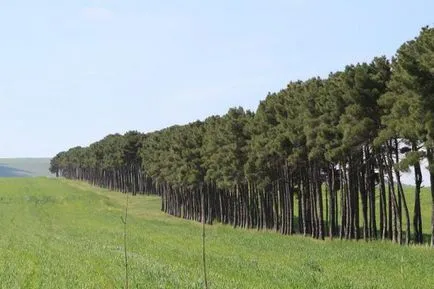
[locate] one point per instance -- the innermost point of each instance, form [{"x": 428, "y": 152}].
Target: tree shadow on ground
[{"x": 10, "y": 172}]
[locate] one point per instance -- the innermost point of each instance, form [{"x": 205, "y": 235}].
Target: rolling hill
[{"x": 24, "y": 167}]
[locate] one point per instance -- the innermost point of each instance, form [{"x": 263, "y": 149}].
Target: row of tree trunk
[{"x": 362, "y": 198}]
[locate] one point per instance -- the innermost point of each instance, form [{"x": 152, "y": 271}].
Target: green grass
[
  {"x": 425, "y": 200},
  {"x": 63, "y": 234}
]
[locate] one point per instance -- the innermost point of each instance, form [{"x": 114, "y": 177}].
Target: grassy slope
[
  {"x": 62, "y": 234},
  {"x": 425, "y": 201}
]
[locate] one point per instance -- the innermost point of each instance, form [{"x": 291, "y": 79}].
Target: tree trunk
[
  {"x": 430, "y": 153},
  {"x": 383, "y": 210},
  {"x": 417, "y": 218},
  {"x": 402, "y": 199}
]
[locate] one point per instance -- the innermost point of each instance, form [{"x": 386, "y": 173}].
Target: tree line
[{"x": 322, "y": 157}]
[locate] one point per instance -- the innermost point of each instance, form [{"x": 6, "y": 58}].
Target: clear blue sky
[{"x": 72, "y": 72}]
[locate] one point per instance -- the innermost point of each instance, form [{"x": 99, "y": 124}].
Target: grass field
[{"x": 63, "y": 234}]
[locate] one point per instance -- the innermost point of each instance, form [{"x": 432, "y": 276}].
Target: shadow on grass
[
  {"x": 10, "y": 172},
  {"x": 426, "y": 238}
]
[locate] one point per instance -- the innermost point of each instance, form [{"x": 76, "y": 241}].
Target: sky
[{"x": 72, "y": 72}]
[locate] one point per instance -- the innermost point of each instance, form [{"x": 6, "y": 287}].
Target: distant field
[
  {"x": 64, "y": 234},
  {"x": 24, "y": 167}
]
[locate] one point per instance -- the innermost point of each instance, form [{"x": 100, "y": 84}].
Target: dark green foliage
[{"x": 322, "y": 157}]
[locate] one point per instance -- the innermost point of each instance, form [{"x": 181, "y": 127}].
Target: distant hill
[{"x": 24, "y": 167}]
